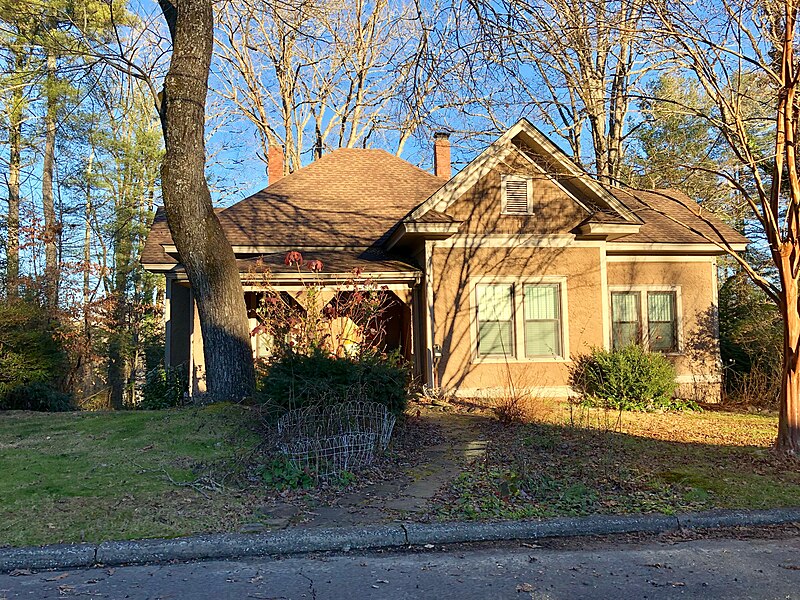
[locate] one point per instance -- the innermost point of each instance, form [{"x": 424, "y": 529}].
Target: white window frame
[
  {"x": 529, "y": 180},
  {"x": 513, "y": 319},
  {"x": 518, "y": 318},
  {"x": 642, "y": 290}
]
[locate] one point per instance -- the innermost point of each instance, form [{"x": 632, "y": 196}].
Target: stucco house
[{"x": 500, "y": 274}]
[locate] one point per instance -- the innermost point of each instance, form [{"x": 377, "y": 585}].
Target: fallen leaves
[
  {"x": 631, "y": 463},
  {"x": 525, "y": 587},
  {"x": 20, "y": 573}
]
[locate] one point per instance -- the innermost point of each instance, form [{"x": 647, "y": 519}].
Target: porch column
[
  {"x": 197, "y": 361},
  {"x": 167, "y": 321}
]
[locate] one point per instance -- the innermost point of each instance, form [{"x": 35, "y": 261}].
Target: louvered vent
[{"x": 517, "y": 197}]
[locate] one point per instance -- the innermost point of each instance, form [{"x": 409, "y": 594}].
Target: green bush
[
  {"x": 32, "y": 358},
  {"x": 628, "y": 379},
  {"x": 281, "y": 474},
  {"x": 38, "y": 396},
  {"x": 297, "y": 380},
  {"x": 164, "y": 388}
]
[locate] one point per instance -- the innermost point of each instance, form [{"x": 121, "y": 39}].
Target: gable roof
[
  {"x": 527, "y": 140},
  {"x": 354, "y": 199},
  {"x": 349, "y": 197}
]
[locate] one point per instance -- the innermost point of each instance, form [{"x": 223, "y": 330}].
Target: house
[{"x": 499, "y": 274}]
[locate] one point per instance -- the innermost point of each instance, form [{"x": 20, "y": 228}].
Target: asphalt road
[{"x": 718, "y": 568}]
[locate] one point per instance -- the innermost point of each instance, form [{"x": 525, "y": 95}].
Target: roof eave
[
  {"x": 609, "y": 231},
  {"x": 409, "y": 230},
  {"x": 708, "y": 248}
]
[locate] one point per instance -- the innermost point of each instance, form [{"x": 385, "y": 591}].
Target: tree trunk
[
  {"x": 87, "y": 245},
  {"x": 118, "y": 348},
  {"x": 786, "y": 257},
  {"x": 789, "y": 399},
  {"x": 205, "y": 252},
  {"x": 51, "y": 228},
  {"x": 14, "y": 168}
]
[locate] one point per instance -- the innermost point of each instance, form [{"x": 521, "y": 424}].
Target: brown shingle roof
[
  {"x": 355, "y": 197},
  {"x": 153, "y": 252},
  {"x": 349, "y": 197},
  {"x": 671, "y": 217}
]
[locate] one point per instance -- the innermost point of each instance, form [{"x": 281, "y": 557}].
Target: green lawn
[
  {"x": 593, "y": 461},
  {"x": 95, "y": 476}
]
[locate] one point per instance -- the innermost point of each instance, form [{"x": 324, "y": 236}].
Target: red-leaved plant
[{"x": 340, "y": 320}]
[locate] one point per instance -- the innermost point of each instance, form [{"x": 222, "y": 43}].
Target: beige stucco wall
[
  {"x": 455, "y": 270},
  {"x": 697, "y": 361},
  {"x": 480, "y": 207},
  {"x": 457, "y": 267}
]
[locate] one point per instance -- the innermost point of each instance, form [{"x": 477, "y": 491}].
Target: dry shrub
[
  {"x": 522, "y": 404},
  {"x": 509, "y": 408},
  {"x": 758, "y": 388}
]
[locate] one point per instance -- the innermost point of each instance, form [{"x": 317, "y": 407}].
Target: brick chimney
[
  {"x": 441, "y": 155},
  {"x": 274, "y": 164}
]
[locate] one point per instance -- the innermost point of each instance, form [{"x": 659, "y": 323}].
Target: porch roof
[{"x": 334, "y": 262}]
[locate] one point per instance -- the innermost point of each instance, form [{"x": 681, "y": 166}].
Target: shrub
[
  {"x": 751, "y": 343},
  {"x": 297, "y": 380},
  {"x": 32, "y": 358},
  {"x": 164, "y": 388},
  {"x": 39, "y": 396},
  {"x": 627, "y": 379},
  {"x": 510, "y": 407},
  {"x": 281, "y": 474}
]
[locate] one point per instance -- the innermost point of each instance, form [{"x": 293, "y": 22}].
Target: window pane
[
  {"x": 541, "y": 302},
  {"x": 662, "y": 337},
  {"x": 625, "y": 306},
  {"x": 661, "y": 306},
  {"x": 625, "y": 326},
  {"x": 625, "y": 334},
  {"x": 495, "y": 338},
  {"x": 542, "y": 338},
  {"x": 494, "y": 302}
]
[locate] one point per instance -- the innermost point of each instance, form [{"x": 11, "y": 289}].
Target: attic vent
[{"x": 516, "y": 196}]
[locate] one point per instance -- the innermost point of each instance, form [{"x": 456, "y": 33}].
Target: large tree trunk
[
  {"x": 14, "y": 169},
  {"x": 203, "y": 248},
  {"x": 51, "y": 228},
  {"x": 785, "y": 251},
  {"x": 789, "y": 399}
]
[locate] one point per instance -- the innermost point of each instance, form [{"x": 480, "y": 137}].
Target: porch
[{"x": 402, "y": 317}]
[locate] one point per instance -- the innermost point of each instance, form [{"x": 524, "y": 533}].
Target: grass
[
  {"x": 73, "y": 477},
  {"x": 591, "y": 461}
]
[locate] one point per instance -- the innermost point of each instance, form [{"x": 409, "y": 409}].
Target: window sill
[{"x": 499, "y": 360}]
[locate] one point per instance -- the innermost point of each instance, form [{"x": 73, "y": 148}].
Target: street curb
[{"x": 393, "y": 535}]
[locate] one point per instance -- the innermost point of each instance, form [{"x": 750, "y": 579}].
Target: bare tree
[
  {"x": 737, "y": 51},
  {"x": 576, "y": 62},
  {"x": 204, "y": 250},
  {"x": 322, "y": 74}
]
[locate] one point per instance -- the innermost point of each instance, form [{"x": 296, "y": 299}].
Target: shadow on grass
[{"x": 551, "y": 469}]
